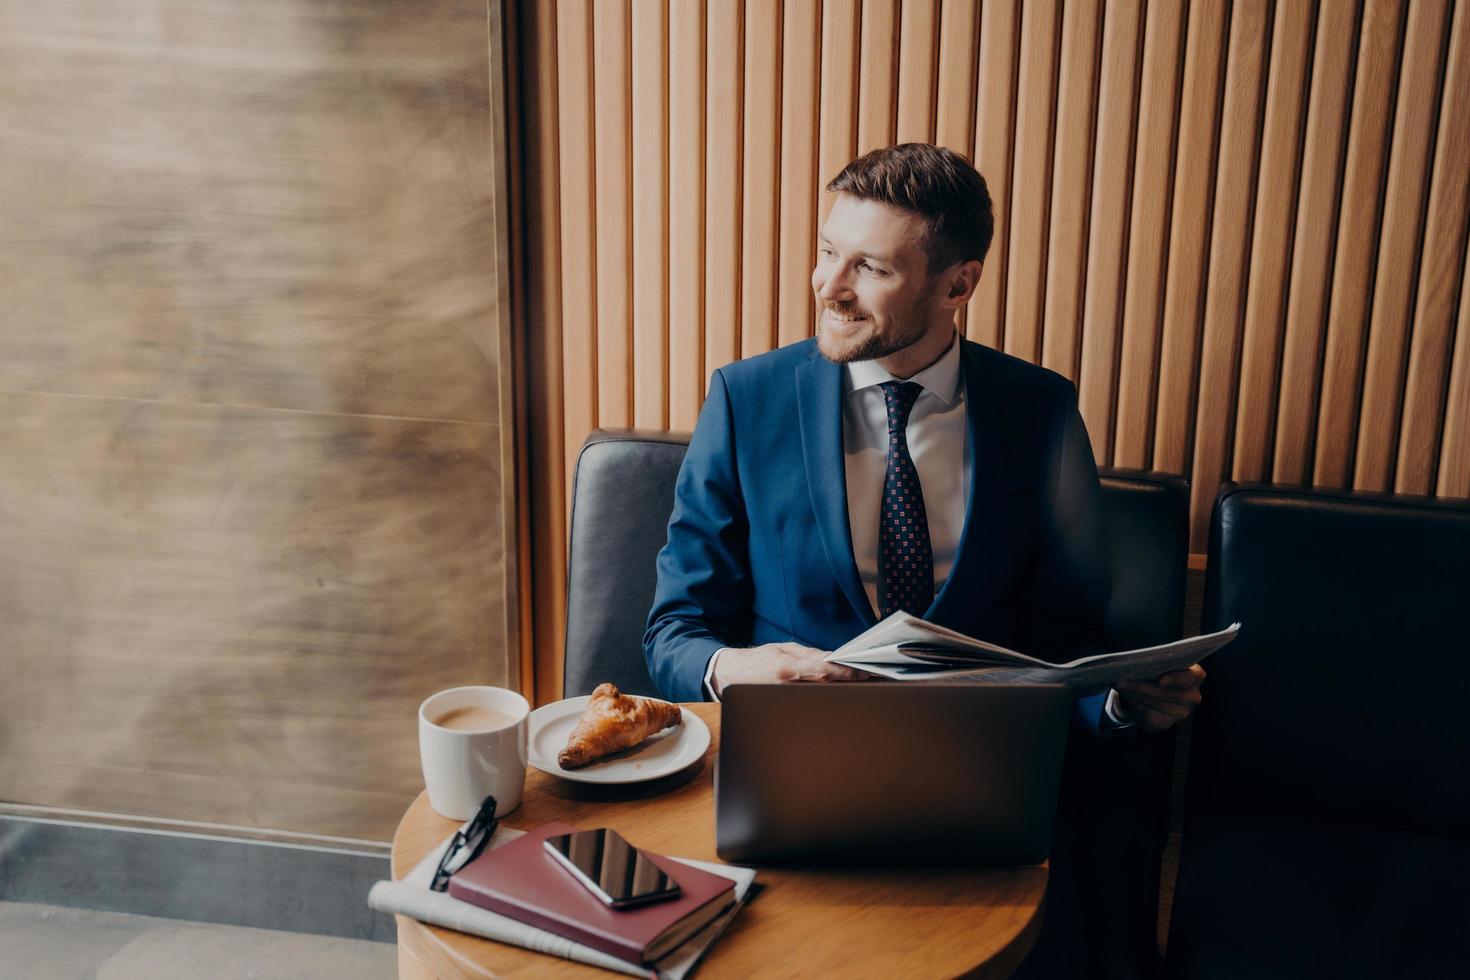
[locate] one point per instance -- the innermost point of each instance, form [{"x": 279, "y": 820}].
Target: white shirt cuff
[
  {"x": 709, "y": 675},
  {"x": 1115, "y": 712}
]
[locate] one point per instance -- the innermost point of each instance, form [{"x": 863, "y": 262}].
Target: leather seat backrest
[
  {"x": 622, "y": 496},
  {"x": 1146, "y": 518},
  {"x": 1345, "y": 692}
]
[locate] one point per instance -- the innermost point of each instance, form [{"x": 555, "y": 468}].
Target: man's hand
[
  {"x": 1165, "y": 701},
  {"x": 777, "y": 662}
]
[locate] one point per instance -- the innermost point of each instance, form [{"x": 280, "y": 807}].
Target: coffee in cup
[
  {"x": 472, "y": 743},
  {"x": 474, "y": 719}
]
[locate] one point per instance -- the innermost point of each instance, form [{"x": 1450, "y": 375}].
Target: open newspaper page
[
  {"x": 411, "y": 896},
  {"x": 906, "y": 648}
]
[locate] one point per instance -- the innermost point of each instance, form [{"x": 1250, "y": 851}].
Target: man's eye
[{"x": 869, "y": 267}]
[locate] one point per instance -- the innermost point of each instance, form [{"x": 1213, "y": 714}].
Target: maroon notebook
[{"x": 522, "y": 881}]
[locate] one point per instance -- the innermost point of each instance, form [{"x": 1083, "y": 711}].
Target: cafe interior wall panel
[
  {"x": 1411, "y": 164},
  {"x": 1272, "y": 239},
  {"x": 1192, "y": 218},
  {"x": 1150, "y": 217},
  {"x": 801, "y": 58},
  {"x": 1229, "y": 253},
  {"x": 995, "y": 127},
  {"x": 724, "y": 95},
  {"x": 760, "y": 193},
  {"x": 877, "y": 95},
  {"x": 1029, "y": 197},
  {"x": 1071, "y": 190},
  {"x": 1239, "y": 225},
  {"x": 650, "y": 252},
  {"x": 1368, "y": 137},
  {"x": 253, "y": 377},
  {"x": 612, "y": 189},
  {"x": 1107, "y": 227},
  {"x": 1437, "y": 289}
]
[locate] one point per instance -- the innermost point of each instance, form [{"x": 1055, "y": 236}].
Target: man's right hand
[{"x": 774, "y": 663}]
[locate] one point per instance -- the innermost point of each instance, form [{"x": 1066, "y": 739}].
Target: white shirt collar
[{"x": 942, "y": 378}]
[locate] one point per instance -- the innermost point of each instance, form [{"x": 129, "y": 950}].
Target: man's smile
[{"x": 844, "y": 319}]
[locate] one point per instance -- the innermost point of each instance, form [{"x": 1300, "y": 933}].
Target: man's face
[{"x": 872, "y": 284}]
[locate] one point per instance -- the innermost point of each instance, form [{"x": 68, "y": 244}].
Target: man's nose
[{"x": 835, "y": 286}]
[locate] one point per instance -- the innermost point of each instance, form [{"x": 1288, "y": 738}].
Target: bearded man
[{"x": 887, "y": 464}]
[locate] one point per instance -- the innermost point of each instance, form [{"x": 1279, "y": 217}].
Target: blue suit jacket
[{"x": 759, "y": 548}]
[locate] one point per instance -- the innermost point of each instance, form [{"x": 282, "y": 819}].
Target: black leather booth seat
[{"x": 1328, "y": 815}]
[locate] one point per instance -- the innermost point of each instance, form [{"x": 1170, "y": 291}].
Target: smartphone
[{"x": 611, "y": 868}]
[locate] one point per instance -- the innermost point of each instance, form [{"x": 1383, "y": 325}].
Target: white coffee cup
[{"x": 472, "y": 743}]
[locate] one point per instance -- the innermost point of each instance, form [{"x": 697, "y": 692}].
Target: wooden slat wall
[{"x": 1239, "y": 225}]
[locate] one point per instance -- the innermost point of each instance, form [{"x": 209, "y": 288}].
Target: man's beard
[{"x": 907, "y": 330}]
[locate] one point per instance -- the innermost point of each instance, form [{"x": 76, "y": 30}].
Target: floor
[{"x": 45, "y": 941}]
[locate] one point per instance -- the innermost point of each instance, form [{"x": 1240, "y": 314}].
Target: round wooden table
[{"x": 849, "y": 922}]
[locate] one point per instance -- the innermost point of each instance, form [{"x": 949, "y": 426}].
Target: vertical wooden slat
[
  {"x": 724, "y": 45},
  {"x": 877, "y": 75},
  {"x": 686, "y": 213},
  {"x": 954, "y": 119},
  {"x": 800, "y": 56},
  {"x": 1149, "y": 220},
  {"x": 995, "y": 99},
  {"x": 1357, "y": 239},
  {"x": 578, "y": 227},
  {"x": 1439, "y": 271},
  {"x": 1230, "y": 256},
  {"x": 1276, "y": 195},
  {"x": 611, "y": 154},
  {"x": 1193, "y": 208},
  {"x": 1030, "y": 197},
  {"x": 546, "y": 466},
  {"x": 1454, "y": 453},
  {"x": 1317, "y": 220},
  {"x": 1399, "y": 247},
  {"x": 1066, "y": 253},
  {"x": 954, "y": 91},
  {"x": 837, "y": 128},
  {"x": 758, "y": 238},
  {"x": 1107, "y": 241},
  {"x": 650, "y": 254},
  {"x": 918, "y": 57}
]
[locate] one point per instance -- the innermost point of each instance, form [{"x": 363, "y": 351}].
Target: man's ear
[{"x": 963, "y": 280}]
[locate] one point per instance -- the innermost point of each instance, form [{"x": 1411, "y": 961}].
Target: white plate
[{"x": 667, "y": 752}]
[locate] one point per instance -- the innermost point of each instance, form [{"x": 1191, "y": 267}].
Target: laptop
[{"x": 889, "y": 772}]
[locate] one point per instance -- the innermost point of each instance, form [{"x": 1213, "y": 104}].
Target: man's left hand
[{"x": 1165, "y": 701}]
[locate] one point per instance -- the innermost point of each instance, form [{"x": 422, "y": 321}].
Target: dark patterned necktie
[{"x": 905, "y": 559}]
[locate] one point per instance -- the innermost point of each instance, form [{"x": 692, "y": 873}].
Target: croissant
[{"x": 612, "y": 721}]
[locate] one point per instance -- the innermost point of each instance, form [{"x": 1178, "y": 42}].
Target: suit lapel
[
  {"x": 985, "y": 408},
  {"x": 819, "y": 405}
]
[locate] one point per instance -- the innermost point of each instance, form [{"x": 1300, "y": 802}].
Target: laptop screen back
[{"x": 889, "y": 772}]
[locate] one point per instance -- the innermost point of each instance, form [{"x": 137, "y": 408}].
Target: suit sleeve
[
  {"x": 1071, "y": 580},
  {"x": 702, "y": 600}
]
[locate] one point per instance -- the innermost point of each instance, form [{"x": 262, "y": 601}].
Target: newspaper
[
  {"x": 411, "y": 896},
  {"x": 904, "y": 647}
]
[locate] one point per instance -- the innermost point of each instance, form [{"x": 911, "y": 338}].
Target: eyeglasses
[{"x": 466, "y": 845}]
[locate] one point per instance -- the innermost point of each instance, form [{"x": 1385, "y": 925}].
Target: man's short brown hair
[{"x": 939, "y": 185}]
